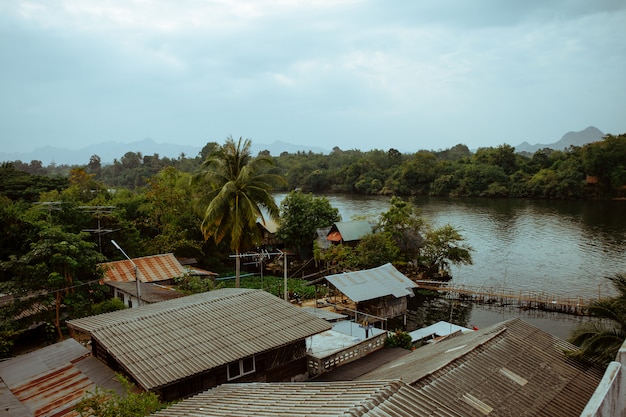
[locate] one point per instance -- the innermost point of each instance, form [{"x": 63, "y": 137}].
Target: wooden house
[
  {"x": 180, "y": 347},
  {"x": 380, "y": 292}
]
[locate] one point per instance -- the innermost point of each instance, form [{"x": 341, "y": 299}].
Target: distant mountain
[
  {"x": 109, "y": 151},
  {"x": 588, "y": 135}
]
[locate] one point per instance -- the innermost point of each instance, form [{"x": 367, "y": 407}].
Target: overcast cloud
[{"x": 350, "y": 73}]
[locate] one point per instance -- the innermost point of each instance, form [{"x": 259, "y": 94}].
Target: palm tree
[
  {"x": 238, "y": 195},
  {"x": 600, "y": 341}
]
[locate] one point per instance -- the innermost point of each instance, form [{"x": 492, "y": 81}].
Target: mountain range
[{"x": 109, "y": 151}]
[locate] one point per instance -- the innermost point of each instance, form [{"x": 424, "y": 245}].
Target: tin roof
[
  {"x": 353, "y": 230},
  {"x": 373, "y": 283},
  {"x": 150, "y": 268},
  {"x": 366, "y": 399},
  {"x": 441, "y": 328},
  {"x": 150, "y": 291},
  {"x": 511, "y": 368},
  {"x": 161, "y": 343},
  {"x": 50, "y": 381}
]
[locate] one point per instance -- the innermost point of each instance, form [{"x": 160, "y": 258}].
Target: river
[{"x": 566, "y": 248}]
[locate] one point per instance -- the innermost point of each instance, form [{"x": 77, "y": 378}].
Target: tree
[
  {"x": 402, "y": 224},
  {"x": 55, "y": 272},
  {"x": 108, "y": 403},
  {"x": 301, "y": 215},
  {"x": 443, "y": 246},
  {"x": 600, "y": 341},
  {"x": 237, "y": 196}
]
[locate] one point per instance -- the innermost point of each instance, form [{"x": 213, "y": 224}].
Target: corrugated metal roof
[
  {"x": 441, "y": 328},
  {"x": 373, "y": 283},
  {"x": 354, "y": 230},
  {"x": 510, "y": 369},
  {"x": 316, "y": 399},
  {"x": 151, "y": 269},
  {"x": 51, "y": 380},
  {"x": 165, "y": 342},
  {"x": 150, "y": 291}
]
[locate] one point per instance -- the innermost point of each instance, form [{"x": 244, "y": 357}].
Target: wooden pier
[{"x": 497, "y": 296}]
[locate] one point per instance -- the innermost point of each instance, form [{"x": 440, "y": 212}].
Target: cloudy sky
[{"x": 357, "y": 74}]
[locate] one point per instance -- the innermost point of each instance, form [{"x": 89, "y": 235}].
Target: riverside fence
[{"x": 523, "y": 299}]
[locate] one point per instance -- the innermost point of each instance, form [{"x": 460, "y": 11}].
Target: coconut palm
[
  {"x": 238, "y": 196},
  {"x": 601, "y": 340}
]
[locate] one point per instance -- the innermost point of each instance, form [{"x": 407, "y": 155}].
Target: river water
[{"x": 566, "y": 248}]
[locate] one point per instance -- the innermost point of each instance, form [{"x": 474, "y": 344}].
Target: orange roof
[
  {"x": 334, "y": 237},
  {"x": 150, "y": 268}
]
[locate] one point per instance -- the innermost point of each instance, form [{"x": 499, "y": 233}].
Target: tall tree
[
  {"x": 238, "y": 195},
  {"x": 301, "y": 215},
  {"x": 600, "y": 341},
  {"x": 56, "y": 272}
]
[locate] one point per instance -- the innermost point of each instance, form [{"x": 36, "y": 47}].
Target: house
[
  {"x": 52, "y": 380},
  {"x": 151, "y": 292},
  {"x": 183, "y": 346},
  {"x": 511, "y": 368},
  {"x": 161, "y": 269},
  {"x": 363, "y": 398},
  {"x": 267, "y": 230},
  {"x": 379, "y": 292},
  {"x": 349, "y": 233}
]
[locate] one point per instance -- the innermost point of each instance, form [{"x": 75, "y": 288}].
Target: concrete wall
[{"x": 609, "y": 399}]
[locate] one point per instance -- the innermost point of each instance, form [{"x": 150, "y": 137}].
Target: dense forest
[{"x": 595, "y": 170}]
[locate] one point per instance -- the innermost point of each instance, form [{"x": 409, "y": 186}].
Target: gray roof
[
  {"x": 315, "y": 399},
  {"x": 150, "y": 292},
  {"x": 51, "y": 380},
  {"x": 373, "y": 283},
  {"x": 511, "y": 368},
  {"x": 161, "y": 343},
  {"x": 322, "y": 313},
  {"x": 354, "y": 230}
]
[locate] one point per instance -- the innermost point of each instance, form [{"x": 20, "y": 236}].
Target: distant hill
[
  {"x": 109, "y": 151},
  {"x": 588, "y": 135}
]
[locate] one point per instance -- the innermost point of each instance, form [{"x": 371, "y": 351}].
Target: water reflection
[{"x": 561, "y": 247}]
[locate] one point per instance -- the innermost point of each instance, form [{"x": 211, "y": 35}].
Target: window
[{"x": 240, "y": 368}]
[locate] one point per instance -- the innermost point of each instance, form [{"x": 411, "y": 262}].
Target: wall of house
[
  {"x": 609, "y": 399},
  {"x": 319, "y": 365},
  {"x": 284, "y": 364}
]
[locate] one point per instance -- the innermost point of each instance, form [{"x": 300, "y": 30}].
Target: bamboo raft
[{"x": 525, "y": 300}]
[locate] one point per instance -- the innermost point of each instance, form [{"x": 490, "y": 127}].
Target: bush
[{"x": 399, "y": 338}]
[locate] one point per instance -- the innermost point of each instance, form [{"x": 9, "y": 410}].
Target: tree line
[{"x": 595, "y": 170}]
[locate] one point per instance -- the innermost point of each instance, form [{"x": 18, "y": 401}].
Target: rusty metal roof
[
  {"x": 315, "y": 399},
  {"x": 509, "y": 369},
  {"x": 373, "y": 283},
  {"x": 150, "y": 268},
  {"x": 51, "y": 380},
  {"x": 165, "y": 342}
]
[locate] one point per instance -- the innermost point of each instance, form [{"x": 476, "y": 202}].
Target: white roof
[
  {"x": 373, "y": 283},
  {"x": 441, "y": 328}
]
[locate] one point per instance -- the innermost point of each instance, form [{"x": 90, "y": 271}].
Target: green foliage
[
  {"x": 443, "y": 246},
  {"x": 398, "y": 338},
  {"x": 193, "y": 284},
  {"x": 107, "y": 306},
  {"x": 236, "y": 195},
  {"x": 60, "y": 269},
  {"x": 108, "y": 403},
  {"x": 601, "y": 340},
  {"x": 301, "y": 215}
]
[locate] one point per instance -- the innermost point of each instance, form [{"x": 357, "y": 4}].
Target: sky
[{"x": 357, "y": 74}]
